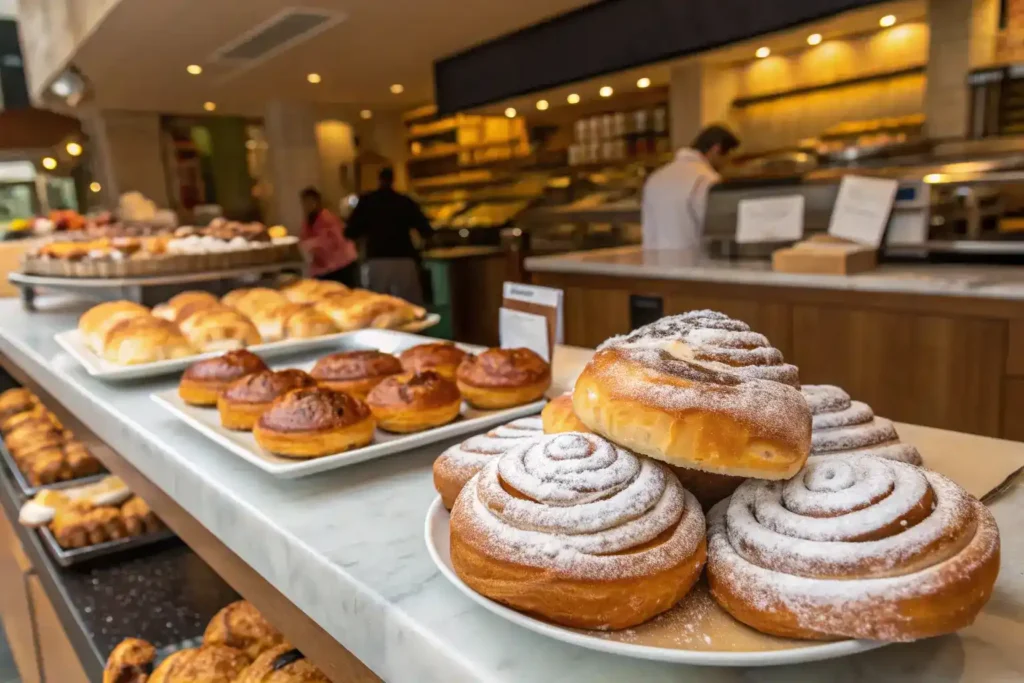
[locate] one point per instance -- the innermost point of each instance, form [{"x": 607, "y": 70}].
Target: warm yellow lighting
[
  {"x": 397, "y": 89},
  {"x": 510, "y": 112},
  {"x": 209, "y": 106},
  {"x": 366, "y": 114},
  {"x": 763, "y": 52},
  {"x": 573, "y": 98},
  {"x": 814, "y": 39},
  {"x": 194, "y": 69},
  {"x": 887, "y": 21},
  {"x": 313, "y": 77},
  {"x": 416, "y": 147},
  {"x": 605, "y": 91},
  {"x": 542, "y": 105},
  {"x": 933, "y": 178},
  {"x": 95, "y": 187},
  {"x": 643, "y": 83},
  {"x": 49, "y": 163},
  {"x": 73, "y": 148},
  {"x": 250, "y": 144}
]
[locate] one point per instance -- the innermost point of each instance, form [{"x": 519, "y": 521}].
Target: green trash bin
[{"x": 440, "y": 286}]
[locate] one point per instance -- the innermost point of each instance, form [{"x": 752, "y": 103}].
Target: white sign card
[
  {"x": 770, "y": 219},
  {"x": 862, "y": 209},
  {"x": 524, "y": 330},
  {"x": 536, "y": 298}
]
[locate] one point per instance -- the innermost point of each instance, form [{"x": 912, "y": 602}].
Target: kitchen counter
[{"x": 347, "y": 548}]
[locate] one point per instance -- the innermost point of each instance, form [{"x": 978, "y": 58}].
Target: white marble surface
[
  {"x": 990, "y": 282},
  {"x": 347, "y": 548}
]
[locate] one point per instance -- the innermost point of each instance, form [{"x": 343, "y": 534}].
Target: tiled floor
[{"x": 8, "y": 672}]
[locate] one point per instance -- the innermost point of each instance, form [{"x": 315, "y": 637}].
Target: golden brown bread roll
[
  {"x": 145, "y": 340},
  {"x": 220, "y": 329},
  {"x": 282, "y": 664},
  {"x": 441, "y": 357},
  {"x": 80, "y": 461},
  {"x": 171, "y": 310},
  {"x": 241, "y": 626},
  {"x": 311, "y": 291},
  {"x": 138, "y": 518},
  {"x": 558, "y": 416},
  {"x": 313, "y": 422},
  {"x": 97, "y": 321},
  {"x": 503, "y": 378},
  {"x": 80, "y": 524},
  {"x": 360, "y": 309},
  {"x": 203, "y": 381},
  {"x": 412, "y": 403},
  {"x": 206, "y": 664},
  {"x": 16, "y": 401},
  {"x": 243, "y": 401},
  {"x": 130, "y": 662},
  {"x": 293, "y": 321},
  {"x": 355, "y": 372}
]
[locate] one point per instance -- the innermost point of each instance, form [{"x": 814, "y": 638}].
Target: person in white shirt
[{"x": 675, "y": 196}]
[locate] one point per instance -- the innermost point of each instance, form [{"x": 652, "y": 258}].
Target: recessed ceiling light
[
  {"x": 643, "y": 83},
  {"x": 95, "y": 187},
  {"x": 542, "y": 105},
  {"x": 209, "y": 106},
  {"x": 49, "y": 163},
  {"x": 510, "y": 112},
  {"x": 366, "y": 114},
  {"x": 887, "y": 21},
  {"x": 73, "y": 148},
  {"x": 397, "y": 89},
  {"x": 573, "y": 98},
  {"x": 814, "y": 39},
  {"x": 763, "y": 52},
  {"x": 605, "y": 91},
  {"x": 313, "y": 77},
  {"x": 194, "y": 69}
]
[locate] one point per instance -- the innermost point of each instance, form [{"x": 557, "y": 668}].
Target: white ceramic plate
[
  {"x": 437, "y": 539},
  {"x": 100, "y": 368}
]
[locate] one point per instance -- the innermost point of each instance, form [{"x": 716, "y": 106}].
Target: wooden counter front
[{"x": 953, "y": 362}]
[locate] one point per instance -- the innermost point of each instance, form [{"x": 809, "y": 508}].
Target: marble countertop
[
  {"x": 347, "y": 548},
  {"x": 985, "y": 281}
]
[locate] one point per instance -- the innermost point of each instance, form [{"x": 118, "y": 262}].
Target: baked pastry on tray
[
  {"x": 203, "y": 381},
  {"x": 293, "y": 321},
  {"x": 16, "y": 401},
  {"x": 220, "y": 329},
  {"x": 171, "y": 310},
  {"x": 313, "y": 422},
  {"x": 97, "y": 321},
  {"x": 503, "y": 378},
  {"x": 137, "y": 341},
  {"x": 441, "y": 357},
  {"x": 244, "y": 400},
  {"x": 80, "y": 523},
  {"x": 360, "y": 309},
  {"x": 413, "y": 403},
  {"x": 355, "y": 372},
  {"x": 310, "y": 291},
  {"x": 240, "y": 625},
  {"x": 248, "y": 302}
]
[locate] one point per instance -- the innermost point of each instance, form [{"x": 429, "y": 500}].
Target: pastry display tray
[
  {"x": 206, "y": 421},
  {"x": 100, "y": 368},
  {"x": 28, "y": 490},
  {"x": 696, "y": 631},
  {"x": 70, "y": 557}
]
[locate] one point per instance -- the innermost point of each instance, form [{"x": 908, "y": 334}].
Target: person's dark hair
[
  {"x": 311, "y": 193},
  {"x": 386, "y": 176},
  {"x": 715, "y": 135}
]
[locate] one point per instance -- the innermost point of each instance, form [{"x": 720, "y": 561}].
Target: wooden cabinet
[{"x": 15, "y": 606}]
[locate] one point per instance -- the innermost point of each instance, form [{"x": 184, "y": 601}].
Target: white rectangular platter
[
  {"x": 100, "y": 368},
  {"x": 206, "y": 421}
]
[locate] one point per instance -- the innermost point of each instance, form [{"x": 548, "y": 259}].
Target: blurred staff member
[
  {"x": 385, "y": 218},
  {"x": 676, "y": 195},
  {"x": 332, "y": 255}
]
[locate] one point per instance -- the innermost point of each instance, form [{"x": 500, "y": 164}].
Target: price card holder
[
  {"x": 770, "y": 219},
  {"x": 523, "y": 309},
  {"x": 862, "y": 209}
]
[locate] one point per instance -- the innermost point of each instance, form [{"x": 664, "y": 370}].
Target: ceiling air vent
[{"x": 282, "y": 31}]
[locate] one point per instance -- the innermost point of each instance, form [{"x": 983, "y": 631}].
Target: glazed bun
[
  {"x": 412, "y": 403},
  {"x": 204, "y": 380},
  {"x": 355, "y": 372},
  {"x": 314, "y": 422},
  {"x": 503, "y": 378},
  {"x": 441, "y": 357},
  {"x": 243, "y": 401}
]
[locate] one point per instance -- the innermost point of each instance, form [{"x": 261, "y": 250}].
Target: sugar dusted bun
[
  {"x": 135, "y": 341},
  {"x": 204, "y": 380},
  {"x": 853, "y": 547},
  {"x": 844, "y": 427},
  {"x": 412, "y": 403},
  {"x": 558, "y": 416},
  {"x": 577, "y": 531},
  {"x": 313, "y": 422},
  {"x": 460, "y": 463},
  {"x": 503, "y": 378},
  {"x": 220, "y": 329},
  {"x": 97, "y": 321},
  {"x": 355, "y": 372},
  {"x": 442, "y": 357},
  {"x": 243, "y": 401}
]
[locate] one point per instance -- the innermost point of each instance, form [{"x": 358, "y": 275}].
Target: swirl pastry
[
  {"x": 241, "y": 626},
  {"x": 243, "y": 401},
  {"x": 700, "y": 414},
  {"x": 853, "y": 547},
  {"x": 314, "y": 421},
  {"x": 144, "y": 339},
  {"x": 573, "y": 529},
  {"x": 844, "y": 427},
  {"x": 97, "y": 321},
  {"x": 443, "y": 358},
  {"x": 412, "y": 403},
  {"x": 460, "y": 463},
  {"x": 220, "y": 329},
  {"x": 558, "y": 416},
  {"x": 355, "y": 372},
  {"x": 204, "y": 380},
  {"x": 503, "y": 378}
]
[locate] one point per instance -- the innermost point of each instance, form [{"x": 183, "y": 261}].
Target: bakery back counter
[{"x": 936, "y": 345}]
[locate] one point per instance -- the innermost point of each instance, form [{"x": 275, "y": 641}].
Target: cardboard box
[{"x": 825, "y": 255}]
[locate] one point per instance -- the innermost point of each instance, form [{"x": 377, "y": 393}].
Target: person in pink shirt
[{"x": 332, "y": 255}]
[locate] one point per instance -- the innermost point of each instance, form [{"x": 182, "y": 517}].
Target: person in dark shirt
[{"x": 385, "y": 218}]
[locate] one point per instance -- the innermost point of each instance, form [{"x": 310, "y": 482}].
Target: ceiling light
[
  {"x": 510, "y": 112},
  {"x": 95, "y": 187},
  {"x": 209, "y": 106},
  {"x": 605, "y": 91},
  {"x": 194, "y": 69},
  {"x": 49, "y": 163},
  {"x": 313, "y": 78},
  {"x": 573, "y": 98},
  {"x": 887, "y": 21},
  {"x": 814, "y": 39},
  {"x": 416, "y": 147},
  {"x": 73, "y": 148},
  {"x": 542, "y": 105},
  {"x": 763, "y": 52},
  {"x": 397, "y": 89},
  {"x": 366, "y": 114},
  {"x": 643, "y": 83}
]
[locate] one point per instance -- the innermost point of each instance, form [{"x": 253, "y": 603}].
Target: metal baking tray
[
  {"x": 27, "y": 490},
  {"x": 68, "y": 558}
]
